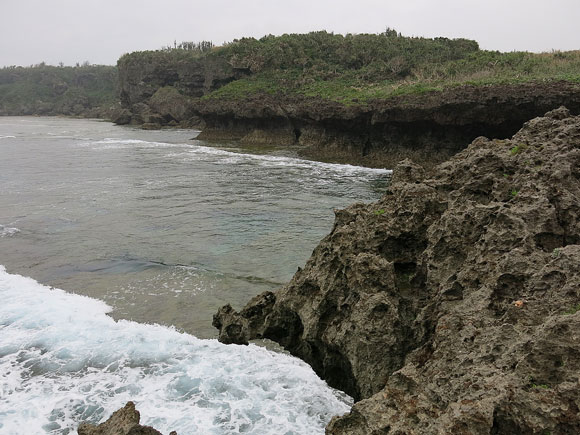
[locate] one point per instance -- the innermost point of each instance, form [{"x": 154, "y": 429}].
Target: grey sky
[{"x": 99, "y": 31}]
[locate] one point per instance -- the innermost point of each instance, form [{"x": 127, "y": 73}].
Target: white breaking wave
[
  {"x": 8, "y": 231},
  {"x": 7, "y": 137},
  {"x": 63, "y": 360},
  {"x": 229, "y": 157}
]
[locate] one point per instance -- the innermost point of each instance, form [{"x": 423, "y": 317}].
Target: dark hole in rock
[
  {"x": 503, "y": 423},
  {"x": 331, "y": 365},
  {"x": 287, "y": 330},
  {"x": 508, "y": 289},
  {"x": 297, "y": 134},
  {"x": 403, "y": 248},
  {"x": 549, "y": 241},
  {"x": 367, "y": 148},
  {"x": 453, "y": 293},
  {"x": 404, "y": 273}
]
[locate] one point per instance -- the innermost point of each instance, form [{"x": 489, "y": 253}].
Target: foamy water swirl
[{"x": 63, "y": 360}]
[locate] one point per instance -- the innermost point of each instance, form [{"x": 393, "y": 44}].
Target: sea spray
[{"x": 63, "y": 361}]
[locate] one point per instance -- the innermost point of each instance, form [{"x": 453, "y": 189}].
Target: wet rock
[
  {"x": 151, "y": 126},
  {"x": 452, "y": 305},
  {"x": 124, "y": 421}
]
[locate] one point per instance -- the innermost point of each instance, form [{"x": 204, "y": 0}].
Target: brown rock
[
  {"x": 412, "y": 304},
  {"x": 121, "y": 116},
  {"x": 124, "y": 421}
]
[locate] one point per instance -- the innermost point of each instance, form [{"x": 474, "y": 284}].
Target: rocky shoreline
[
  {"x": 428, "y": 128},
  {"x": 452, "y": 305}
]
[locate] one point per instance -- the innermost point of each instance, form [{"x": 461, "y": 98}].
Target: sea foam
[
  {"x": 63, "y": 361},
  {"x": 223, "y": 156},
  {"x": 8, "y": 231}
]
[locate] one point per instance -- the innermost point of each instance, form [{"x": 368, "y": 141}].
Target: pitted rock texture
[
  {"x": 124, "y": 421},
  {"x": 452, "y": 305}
]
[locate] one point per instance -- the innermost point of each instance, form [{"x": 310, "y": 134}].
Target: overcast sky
[{"x": 99, "y": 31}]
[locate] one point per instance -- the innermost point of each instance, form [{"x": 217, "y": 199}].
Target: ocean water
[
  {"x": 62, "y": 359},
  {"x": 147, "y": 234}
]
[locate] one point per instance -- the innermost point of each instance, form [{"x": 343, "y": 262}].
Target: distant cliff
[
  {"x": 365, "y": 99},
  {"x": 428, "y": 127},
  {"x": 157, "y": 86},
  {"x": 84, "y": 90}
]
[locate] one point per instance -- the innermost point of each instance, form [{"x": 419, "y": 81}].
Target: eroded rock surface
[
  {"x": 124, "y": 421},
  {"x": 452, "y": 305}
]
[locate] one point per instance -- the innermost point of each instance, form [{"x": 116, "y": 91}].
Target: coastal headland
[
  {"x": 452, "y": 304},
  {"x": 369, "y": 100},
  {"x": 364, "y": 99}
]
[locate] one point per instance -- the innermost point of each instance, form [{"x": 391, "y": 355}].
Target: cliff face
[
  {"x": 452, "y": 305},
  {"x": 428, "y": 128},
  {"x": 143, "y": 76},
  {"x": 159, "y": 89}
]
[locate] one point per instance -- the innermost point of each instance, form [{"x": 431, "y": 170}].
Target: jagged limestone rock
[
  {"x": 124, "y": 421},
  {"x": 452, "y": 305}
]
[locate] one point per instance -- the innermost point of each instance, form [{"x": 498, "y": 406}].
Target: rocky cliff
[
  {"x": 369, "y": 99},
  {"x": 157, "y": 87},
  {"x": 452, "y": 305},
  {"x": 428, "y": 127}
]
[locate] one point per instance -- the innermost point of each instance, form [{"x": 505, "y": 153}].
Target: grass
[
  {"x": 357, "y": 69},
  {"x": 357, "y": 86},
  {"x": 246, "y": 87},
  {"x": 540, "y": 386},
  {"x": 533, "y": 385}
]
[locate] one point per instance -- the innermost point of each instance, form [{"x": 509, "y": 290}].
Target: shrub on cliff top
[{"x": 354, "y": 69}]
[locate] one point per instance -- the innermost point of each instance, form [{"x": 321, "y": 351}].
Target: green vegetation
[
  {"x": 380, "y": 212},
  {"x": 350, "y": 69},
  {"x": 518, "y": 149},
  {"x": 532, "y": 384},
  {"x": 196, "y": 47},
  {"x": 573, "y": 310},
  {"x": 51, "y": 90},
  {"x": 354, "y": 69},
  {"x": 540, "y": 386}
]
